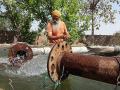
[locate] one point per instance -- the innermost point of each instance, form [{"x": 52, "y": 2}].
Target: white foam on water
[
  {"x": 4, "y": 60},
  {"x": 36, "y": 66}
]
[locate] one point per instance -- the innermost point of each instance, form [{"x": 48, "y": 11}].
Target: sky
[
  {"x": 35, "y": 25},
  {"x": 2, "y": 8},
  {"x": 109, "y": 29}
]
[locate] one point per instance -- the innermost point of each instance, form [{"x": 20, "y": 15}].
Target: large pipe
[
  {"x": 104, "y": 50},
  {"x": 17, "y": 53},
  {"x": 62, "y": 62},
  {"x": 46, "y": 50}
]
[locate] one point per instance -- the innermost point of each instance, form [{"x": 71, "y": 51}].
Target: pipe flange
[
  {"x": 19, "y": 54},
  {"x": 53, "y": 64}
]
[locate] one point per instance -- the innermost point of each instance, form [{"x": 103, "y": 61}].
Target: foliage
[
  {"x": 71, "y": 14},
  {"x": 26, "y": 35},
  {"x": 19, "y": 18},
  {"x": 40, "y": 9},
  {"x": 102, "y": 11}
]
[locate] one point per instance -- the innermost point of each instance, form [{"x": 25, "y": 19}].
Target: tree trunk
[{"x": 92, "y": 27}]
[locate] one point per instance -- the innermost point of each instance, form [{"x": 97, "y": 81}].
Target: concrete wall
[
  {"x": 104, "y": 40},
  {"x": 7, "y": 36}
]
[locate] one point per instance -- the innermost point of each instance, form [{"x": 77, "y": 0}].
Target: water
[
  {"x": 25, "y": 83},
  {"x": 33, "y": 76},
  {"x": 44, "y": 83}
]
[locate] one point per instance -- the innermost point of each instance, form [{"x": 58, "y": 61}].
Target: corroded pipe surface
[
  {"x": 104, "y": 69},
  {"x": 17, "y": 54},
  {"x": 104, "y": 50},
  {"x": 63, "y": 62}
]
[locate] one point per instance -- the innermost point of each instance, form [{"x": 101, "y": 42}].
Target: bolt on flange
[
  {"x": 53, "y": 64},
  {"x": 105, "y": 69}
]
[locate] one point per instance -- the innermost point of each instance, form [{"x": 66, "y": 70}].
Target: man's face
[{"x": 55, "y": 19}]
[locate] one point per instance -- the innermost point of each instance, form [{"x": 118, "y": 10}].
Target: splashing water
[
  {"x": 34, "y": 67},
  {"x": 4, "y": 60},
  {"x": 33, "y": 76}
]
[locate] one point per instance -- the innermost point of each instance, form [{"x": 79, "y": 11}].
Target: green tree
[
  {"x": 100, "y": 10},
  {"x": 71, "y": 11},
  {"x": 19, "y": 18}
]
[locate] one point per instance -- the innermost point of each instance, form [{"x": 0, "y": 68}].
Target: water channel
[{"x": 33, "y": 76}]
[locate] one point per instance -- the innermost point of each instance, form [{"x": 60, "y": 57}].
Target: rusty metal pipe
[
  {"x": 104, "y": 69},
  {"x": 99, "y": 68},
  {"x": 104, "y": 50},
  {"x": 17, "y": 53}
]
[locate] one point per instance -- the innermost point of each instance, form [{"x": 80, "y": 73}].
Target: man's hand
[
  {"x": 65, "y": 37},
  {"x": 55, "y": 37},
  {"x": 59, "y": 37}
]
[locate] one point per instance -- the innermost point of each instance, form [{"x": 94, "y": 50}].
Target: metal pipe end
[
  {"x": 19, "y": 54},
  {"x": 54, "y": 59}
]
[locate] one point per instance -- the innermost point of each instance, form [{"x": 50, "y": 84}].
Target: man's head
[{"x": 56, "y": 15}]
